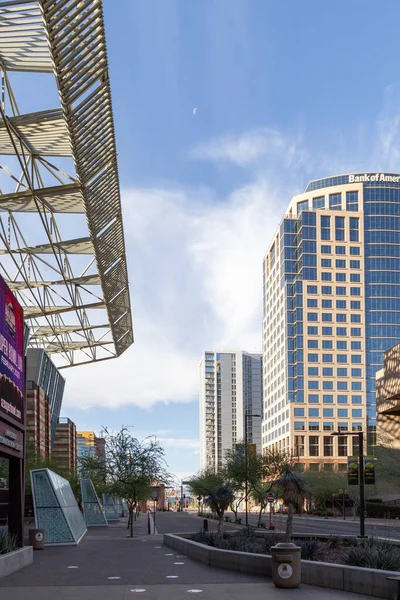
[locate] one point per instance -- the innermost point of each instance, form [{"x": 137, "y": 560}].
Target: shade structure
[
  {"x": 110, "y": 509},
  {"x": 56, "y": 509},
  {"x": 92, "y": 509}
]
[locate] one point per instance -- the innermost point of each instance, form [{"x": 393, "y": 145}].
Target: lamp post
[
  {"x": 246, "y": 462},
  {"x": 154, "y": 496},
  {"x": 360, "y": 435}
]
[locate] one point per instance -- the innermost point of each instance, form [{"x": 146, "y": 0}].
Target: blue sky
[{"x": 286, "y": 92}]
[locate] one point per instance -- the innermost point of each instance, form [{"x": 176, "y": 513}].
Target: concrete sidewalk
[{"x": 108, "y": 565}]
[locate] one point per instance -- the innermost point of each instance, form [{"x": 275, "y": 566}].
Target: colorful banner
[
  {"x": 11, "y": 355},
  {"x": 352, "y": 470},
  {"x": 369, "y": 470}
]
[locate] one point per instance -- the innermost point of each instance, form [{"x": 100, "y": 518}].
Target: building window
[
  {"x": 327, "y": 344},
  {"x": 328, "y": 412},
  {"x": 355, "y": 305},
  {"x": 355, "y": 318},
  {"x": 355, "y": 291},
  {"x": 341, "y": 345},
  {"x": 342, "y": 445},
  {"x": 313, "y": 358},
  {"x": 328, "y": 445},
  {"x": 356, "y": 386},
  {"x": 327, "y": 385},
  {"x": 341, "y": 277},
  {"x": 339, "y": 229},
  {"x": 327, "y": 372},
  {"x": 299, "y": 412},
  {"x": 356, "y": 413},
  {"x": 356, "y": 373},
  {"x": 343, "y": 427},
  {"x": 312, "y": 316},
  {"x": 340, "y": 291},
  {"x": 354, "y": 235},
  {"x": 313, "y": 426},
  {"x": 356, "y": 399},
  {"x": 343, "y": 413},
  {"x": 318, "y": 202},
  {"x": 312, "y": 289},
  {"x": 327, "y": 331},
  {"x": 342, "y": 386},
  {"x": 352, "y": 201},
  {"x": 356, "y": 426},
  {"x": 340, "y": 249},
  {"x": 335, "y": 201},
  {"x": 312, "y": 330},
  {"x": 355, "y": 277},
  {"x": 312, "y": 303},
  {"x": 326, "y": 262},
  {"x": 341, "y": 318},
  {"x": 327, "y": 303},
  {"x": 303, "y": 205},
  {"x": 313, "y": 385},
  {"x": 327, "y": 398},
  {"x": 325, "y": 276},
  {"x": 354, "y": 264},
  {"x": 325, "y": 227},
  {"x": 341, "y": 304},
  {"x": 326, "y": 290},
  {"x": 299, "y": 445},
  {"x": 354, "y": 251},
  {"x": 341, "y": 358},
  {"x": 327, "y": 317},
  {"x": 342, "y": 331},
  {"x": 314, "y": 445},
  {"x": 313, "y": 344},
  {"x": 313, "y": 398},
  {"x": 299, "y": 425},
  {"x": 340, "y": 263},
  {"x": 342, "y": 399},
  {"x": 326, "y": 249},
  {"x": 313, "y": 412},
  {"x": 341, "y": 372},
  {"x": 356, "y": 359},
  {"x": 356, "y": 331},
  {"x": 313, "y": 371}
]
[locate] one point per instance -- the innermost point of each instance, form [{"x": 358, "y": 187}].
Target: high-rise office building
[
  {"x": 230, "y": 389},
  {"x": 65, "y": 446},
  {"x": 331, "y": 309}
]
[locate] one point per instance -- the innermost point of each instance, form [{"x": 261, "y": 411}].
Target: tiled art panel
[
  {"x": 94, "y": 514},
  {"x": 110, "y": 509}
]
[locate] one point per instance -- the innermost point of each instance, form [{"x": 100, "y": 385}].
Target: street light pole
[{"x": 362, "y": 491}]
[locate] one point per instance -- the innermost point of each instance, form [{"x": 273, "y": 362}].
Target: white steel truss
[{"x": 73, "y": 287}]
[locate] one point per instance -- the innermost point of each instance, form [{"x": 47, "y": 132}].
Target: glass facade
[{"x": 334, "y": 313}]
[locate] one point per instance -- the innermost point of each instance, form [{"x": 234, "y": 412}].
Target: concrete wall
[
  {"x": 370, "y": 582},
  {"x": 15, "y": 560}
]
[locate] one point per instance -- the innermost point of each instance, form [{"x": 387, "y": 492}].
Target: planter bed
[
  {"x": 371, "y": 582},
  {"x": 13, "y": 561}
]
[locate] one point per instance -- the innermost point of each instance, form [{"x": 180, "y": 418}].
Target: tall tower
[
  {"x": 331, "y": 308},
  {"x": 230, "y": 389}
]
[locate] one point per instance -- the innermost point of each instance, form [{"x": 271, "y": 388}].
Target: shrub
[
  {"x": 8, "y": 543},
  {"x": 271, "y": 540},
  {"x": 311, "y": 549},
  {"x": 383, "y": 511},
  {"x": 375, "y": 554}
]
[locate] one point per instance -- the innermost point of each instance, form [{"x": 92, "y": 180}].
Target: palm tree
[
  {"x": 293, "y": 489},
  {"x": 219, "y": 499}
]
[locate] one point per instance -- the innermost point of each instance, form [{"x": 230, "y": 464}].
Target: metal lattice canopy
[{"x": 62, "y": 245}]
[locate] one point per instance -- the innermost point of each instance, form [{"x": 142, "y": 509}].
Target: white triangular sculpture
[
  {"x": 92, "y": 509},
  {"x": 56, "y": 509},
  {"x": 109, "y": 508}
]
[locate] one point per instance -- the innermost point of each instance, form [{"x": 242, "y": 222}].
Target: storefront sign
[
  {"x": 11, "y": 357},
  {"x": 11, "y": 440},
  {"x": 369, "y": 470},
  {"x": 352, "y": 470},
  {"x": 379, "y": 177}
]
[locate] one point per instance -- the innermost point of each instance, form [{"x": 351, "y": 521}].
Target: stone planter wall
[
  {"x": 370, "y": 582},
  {"x": 13, "y": 561}
]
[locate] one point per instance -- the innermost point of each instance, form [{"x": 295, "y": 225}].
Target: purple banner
[{"x": 11, "y": 355}]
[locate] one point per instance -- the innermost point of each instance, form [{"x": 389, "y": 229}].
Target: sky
[{"x": 285, "y": 92}]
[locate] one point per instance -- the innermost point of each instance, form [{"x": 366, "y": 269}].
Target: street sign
[
  {"x": 369, "y": 470},
  {"x": 270, "y": 497},
  {"x": 352, "y": 470}
]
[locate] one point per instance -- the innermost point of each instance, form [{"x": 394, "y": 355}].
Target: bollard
[
  {"x": 36, "y": 538},
  {"x": 205, "y": 525},
  {"x": 148, "y": 524},
  {"x": 286, "y": 565}
]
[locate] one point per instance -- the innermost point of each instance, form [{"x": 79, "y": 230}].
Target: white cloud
[
  {"x": 247, "y": 148},
  {"x": 179, "y": 443}
]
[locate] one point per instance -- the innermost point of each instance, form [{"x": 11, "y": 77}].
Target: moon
[{"x": 194, "y": 111}]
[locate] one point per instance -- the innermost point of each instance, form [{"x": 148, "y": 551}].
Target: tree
[
  {"x": 293, "y": 488},
  {"x": 216, "y": 492},
  {"x": 132, "y": 467},
  {"x": 261, "y": 473},
  {"x": 323, "y": 485}
]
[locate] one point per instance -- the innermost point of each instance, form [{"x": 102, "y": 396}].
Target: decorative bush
[
  {"x": 374, "y": 554},
  {"x": 383, "y": 511},
  {"x": 8, "y": 543},
  {"x": 311, "y": 549}
]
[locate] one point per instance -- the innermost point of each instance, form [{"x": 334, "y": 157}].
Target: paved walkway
[{"x": 108, "y": 565}]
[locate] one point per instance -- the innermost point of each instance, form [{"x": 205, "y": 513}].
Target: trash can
[
  {"x": 36, "y": 538},
  {"x": 286, "y": 565}
]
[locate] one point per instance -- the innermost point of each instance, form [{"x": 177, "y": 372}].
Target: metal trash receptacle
[
  {"x": 36, "y": 538},
  {"x": 286, "y": 565}
]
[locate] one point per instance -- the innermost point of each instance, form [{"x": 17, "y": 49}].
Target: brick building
[
  {"x": 38, "y": 420},
  {"x": 65, "y": 446}
]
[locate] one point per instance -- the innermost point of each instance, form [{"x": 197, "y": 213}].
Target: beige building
[
  {"x": 388, "y": 400},
  {"x": 330, "y": 311}
]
